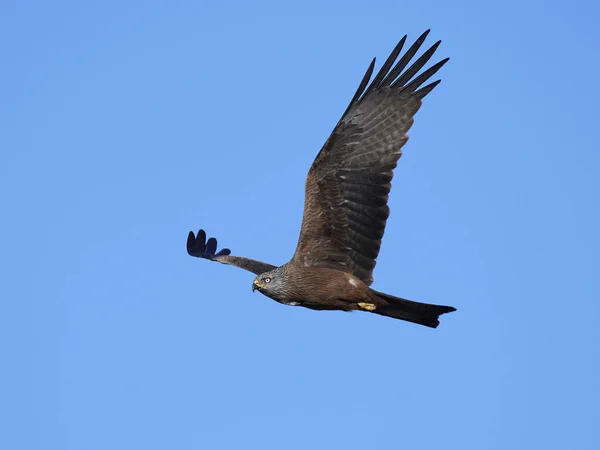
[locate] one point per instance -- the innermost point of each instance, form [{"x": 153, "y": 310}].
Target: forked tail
[{"x": 400, "y": 308}]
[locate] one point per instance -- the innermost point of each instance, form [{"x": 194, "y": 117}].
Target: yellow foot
[{"x": 367, "y": 306}]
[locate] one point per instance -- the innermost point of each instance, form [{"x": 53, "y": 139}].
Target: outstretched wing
[
  {"x": 198, "y": 246},
  {"x": 347, "y": 186}
]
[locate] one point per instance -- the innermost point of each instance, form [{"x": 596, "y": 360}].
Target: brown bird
[{"x": 345, "y": 207}]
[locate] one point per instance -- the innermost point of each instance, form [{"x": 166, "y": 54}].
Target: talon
[{"x": 367, "y": 306}]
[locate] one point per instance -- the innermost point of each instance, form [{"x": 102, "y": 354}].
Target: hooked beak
[{"x": 256, "y": 285}]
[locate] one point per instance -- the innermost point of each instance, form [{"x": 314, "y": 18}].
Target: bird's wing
[
  {"x": 347, "y": 186},
  {"x": 198, "y": 246}
]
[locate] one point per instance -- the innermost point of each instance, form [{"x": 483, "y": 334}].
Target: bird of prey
[{"x": 346, "y": 196}]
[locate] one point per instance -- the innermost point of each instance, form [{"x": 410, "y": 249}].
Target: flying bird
[{"x": 346, "y": 196}]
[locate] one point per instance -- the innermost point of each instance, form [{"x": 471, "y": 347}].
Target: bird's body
[
  {"x": 345, "y": 208},
  {"x": 333, "y": 289},
  {"x": 337, "y": 289}
]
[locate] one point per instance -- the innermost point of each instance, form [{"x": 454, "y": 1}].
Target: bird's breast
[{"x": 323, "y": 286}]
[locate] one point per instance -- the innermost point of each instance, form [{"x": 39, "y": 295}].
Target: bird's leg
[{"x": 367, "y": 306}]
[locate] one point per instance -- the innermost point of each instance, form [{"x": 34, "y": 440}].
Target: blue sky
[{"x": 125, "y": 125}]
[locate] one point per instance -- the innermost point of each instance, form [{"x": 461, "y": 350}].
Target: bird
[{"x": 346, "y": 201}]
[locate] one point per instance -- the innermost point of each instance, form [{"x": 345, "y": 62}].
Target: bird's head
[{"x": 270, "y": 283}]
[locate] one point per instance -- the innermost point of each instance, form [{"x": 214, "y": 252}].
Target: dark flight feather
[
  {"x": 198, "y": 246},
  {"x": 347, "y": 187},
  {"x": 387, "y": 65},
  {"x": 399, "y": 67}
]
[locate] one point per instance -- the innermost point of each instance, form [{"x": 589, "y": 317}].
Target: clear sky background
[{"x": 126, "y": 124}]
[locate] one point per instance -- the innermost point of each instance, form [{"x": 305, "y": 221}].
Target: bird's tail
[{"x": 400, "y": 308}]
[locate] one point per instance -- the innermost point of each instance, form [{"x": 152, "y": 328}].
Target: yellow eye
[{"x": 267, "y": 280}]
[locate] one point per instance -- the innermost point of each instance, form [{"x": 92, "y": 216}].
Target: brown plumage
[{"x": 345, "y": 208}]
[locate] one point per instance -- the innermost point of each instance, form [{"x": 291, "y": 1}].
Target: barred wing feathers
[{"x": 347, "y": 186}]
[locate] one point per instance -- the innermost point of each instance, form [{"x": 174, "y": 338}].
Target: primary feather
[{"x": 348, "y": 184}]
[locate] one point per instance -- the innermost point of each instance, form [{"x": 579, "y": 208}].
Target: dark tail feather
[{"x": 400, "y": 308}]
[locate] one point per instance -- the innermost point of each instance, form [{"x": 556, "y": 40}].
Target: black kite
[{"x": 345, "y": 208}]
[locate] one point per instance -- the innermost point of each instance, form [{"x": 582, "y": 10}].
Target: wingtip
[
  {"x": 421, "y": 93},
  {"x": 191, "y": 243},
  {"x": 200, "y": 247},
  {"x": 223, "y": 252},
  {"x": 424, "y": 35},
  {"x": 371, "y": 67}
]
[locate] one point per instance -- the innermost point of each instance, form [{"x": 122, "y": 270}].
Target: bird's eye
[{"x": 267, "y": 280}]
